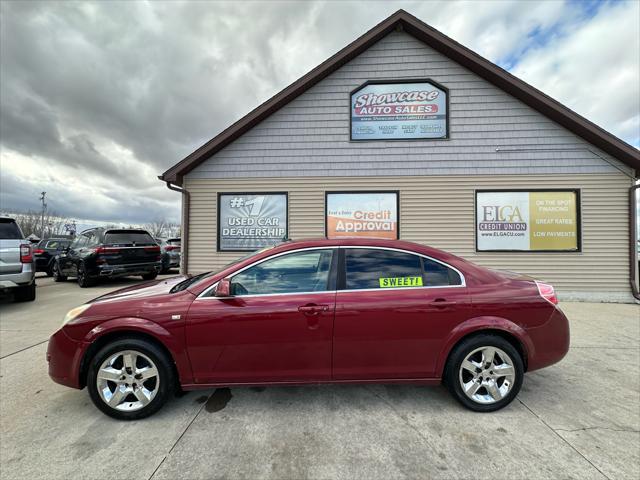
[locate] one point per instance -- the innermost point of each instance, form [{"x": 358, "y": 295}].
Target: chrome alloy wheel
[
  {"x": 487, "y": 375},
  {"x": 128, "y": 381}
]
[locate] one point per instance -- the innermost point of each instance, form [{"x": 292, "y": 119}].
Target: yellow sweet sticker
[{"x": 400, "y": 282}]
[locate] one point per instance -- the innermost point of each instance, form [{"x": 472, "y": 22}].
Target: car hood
[{"x": 146, "y": 289}]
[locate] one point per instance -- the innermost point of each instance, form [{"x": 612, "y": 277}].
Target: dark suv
[{"x": 108, "y": 252}]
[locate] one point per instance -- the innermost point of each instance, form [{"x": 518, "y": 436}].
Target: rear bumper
[
  {"x": 551, "y": 341},
  {"x": 113, "y": 271},
  {"x": 64, "y": 356},
  {"x": 20, "y": 279}
]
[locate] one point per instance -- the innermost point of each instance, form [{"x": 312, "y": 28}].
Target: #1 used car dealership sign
[{"x": 251, "y": 221}]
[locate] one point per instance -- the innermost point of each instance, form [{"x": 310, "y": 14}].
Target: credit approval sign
[
  {"x": 538, "y": 220},
  {"x": 399, "y": 111},
  {"x": 362, "y": 214}
]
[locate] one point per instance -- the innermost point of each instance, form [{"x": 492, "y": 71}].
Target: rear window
[
  {"x": 128, "y": 237},
  {"x": 57, "y": 243},
  {"x": 9, "y": 230}
]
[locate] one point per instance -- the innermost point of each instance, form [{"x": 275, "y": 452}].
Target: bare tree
[
  {"x": 31, "y": 223},
  {"x": 156, "y": 227}
]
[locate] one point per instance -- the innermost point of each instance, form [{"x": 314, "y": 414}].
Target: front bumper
[
  {"x": 64, "y": 356},
  {"x": 113, "y": 271}
]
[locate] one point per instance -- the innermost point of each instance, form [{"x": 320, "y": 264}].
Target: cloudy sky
[{"x": 97, "y": 99}]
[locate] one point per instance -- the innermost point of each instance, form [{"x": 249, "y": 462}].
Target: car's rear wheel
[
  {"x": 484, "y": 373},
  {"x": 150, "y": 276},
  {"x": 57, "y": 276},
  {"x": 130, "y": 379},
  {"x": 83, "y": 278},
  {"x": 25, "y": 294}
]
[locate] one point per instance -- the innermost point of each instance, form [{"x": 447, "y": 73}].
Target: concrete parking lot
[{"x": 577, "y": 419}]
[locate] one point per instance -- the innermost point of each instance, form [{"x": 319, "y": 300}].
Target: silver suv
[{"x": 17, "y": 266}]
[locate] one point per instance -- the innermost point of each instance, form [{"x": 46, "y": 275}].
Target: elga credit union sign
[
  {"x": 527, "y": 220},
  {"x": 399, "y": 111},
  {"x": 251, "y": 221},
  {"x": 362, "y": 214}
]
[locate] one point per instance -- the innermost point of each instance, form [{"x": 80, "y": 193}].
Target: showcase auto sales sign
[{"x": 398, "y": 111}]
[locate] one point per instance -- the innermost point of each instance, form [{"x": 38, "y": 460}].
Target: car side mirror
[{"x": 223, "y": 289}]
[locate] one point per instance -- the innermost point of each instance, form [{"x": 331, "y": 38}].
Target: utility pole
[{"x": 44, "y": 207}]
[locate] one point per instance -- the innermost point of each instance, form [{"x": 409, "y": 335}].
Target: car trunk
[{"x": 128, "y": 247}]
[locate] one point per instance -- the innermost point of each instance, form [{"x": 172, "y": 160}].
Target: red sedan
[{"x": 316, "y": 311}]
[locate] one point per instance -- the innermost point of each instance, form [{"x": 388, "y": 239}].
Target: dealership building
[{"x": 407, "y": 134}]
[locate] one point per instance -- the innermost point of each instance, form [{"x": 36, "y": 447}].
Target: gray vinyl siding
[
  {"x": 310, "y": 135},
  {"x": 439, "y": 211}
]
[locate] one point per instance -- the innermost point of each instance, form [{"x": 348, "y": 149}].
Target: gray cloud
[{"x": 96, "y": 99}]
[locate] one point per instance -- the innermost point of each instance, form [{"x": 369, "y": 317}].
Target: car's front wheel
[
  {"x": 130, "y": 379},
  {"x": 484, "y": 373}
]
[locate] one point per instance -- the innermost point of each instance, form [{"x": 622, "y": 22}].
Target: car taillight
[
  {"x": 25, "y": 254},
  {"x": 155, "y": 248},
  {"x": 547, "y": 292},
  {"x": 101, "y": 250},
  {"x": 170, "y": 248},
  {"x": 38, "y": 251}
]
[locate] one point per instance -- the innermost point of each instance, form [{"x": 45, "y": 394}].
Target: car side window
[
  {"x": 372, "y": 268},
  {"x": 297, "y": 272},
  {"x": 439, "y": 275}
]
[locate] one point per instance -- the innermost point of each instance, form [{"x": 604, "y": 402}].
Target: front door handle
[{"x": 313, "y": 309}]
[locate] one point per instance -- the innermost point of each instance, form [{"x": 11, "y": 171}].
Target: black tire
[
  {"x": 459, "y": 354},
  {"x": 57, "y": 276},
  {"x": 25, "y": 294},
  {"x": 49, "y": 271},
  {"x": 150, "y": 276},
  {"x": 158, "y": 357},
  {"x": 83, "y": 278}
]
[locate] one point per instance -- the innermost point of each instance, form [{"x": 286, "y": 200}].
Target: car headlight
[{"x": 73, "y": 313}]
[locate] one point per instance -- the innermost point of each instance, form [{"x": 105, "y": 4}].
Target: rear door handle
[{"x": 441, "y": 303}]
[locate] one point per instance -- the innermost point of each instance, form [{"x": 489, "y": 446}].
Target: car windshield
[{"x": 203, "y": 276}]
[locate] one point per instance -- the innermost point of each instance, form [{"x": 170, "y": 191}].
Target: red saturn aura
[{"x": 314, "y": 311}]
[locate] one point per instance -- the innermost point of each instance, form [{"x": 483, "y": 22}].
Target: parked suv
[
  {"x": 46, "y": 251},
  {"x": 107, "y": 252},
  {"x": 17, "y": 269},
  {"x": 170, "y": 248}
]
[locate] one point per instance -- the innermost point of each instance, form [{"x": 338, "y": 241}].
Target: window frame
[
  {"x": 336, "y": 270},
  {"x": 342, "y": 272}
]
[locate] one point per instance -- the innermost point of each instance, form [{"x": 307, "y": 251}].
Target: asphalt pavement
[{"x": 577, "y": 419}]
